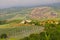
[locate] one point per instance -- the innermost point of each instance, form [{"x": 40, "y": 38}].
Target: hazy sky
[{"x": 10, "y": 3}]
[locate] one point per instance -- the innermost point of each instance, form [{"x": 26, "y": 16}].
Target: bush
[
  {"x": 3, "y": 22},
  {"x": 3, "y": 36}
]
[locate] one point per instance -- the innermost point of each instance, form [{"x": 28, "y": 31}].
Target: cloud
[{"x": 25, "y": 2}]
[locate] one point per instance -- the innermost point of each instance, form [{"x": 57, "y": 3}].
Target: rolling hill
[
  {"x": 23, "y": 12},
  {"x": 11, "y": 13},
  {"x": 43, "y": 12}
]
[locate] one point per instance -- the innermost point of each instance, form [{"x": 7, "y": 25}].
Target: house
[
  {"x": 50, "y": 21},
  {"x": 28, "y": 21},
  {"x": 56, "y": 22},
  {"x": 22, "y": 22},
  {"x": 42, "y": 23},
  {"x": 25, "y": 21}
]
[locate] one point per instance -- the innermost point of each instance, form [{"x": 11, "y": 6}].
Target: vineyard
[{"x": 21, "y": 32}]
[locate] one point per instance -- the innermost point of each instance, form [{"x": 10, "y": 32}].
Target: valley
[{"x": 41, "y": 22}]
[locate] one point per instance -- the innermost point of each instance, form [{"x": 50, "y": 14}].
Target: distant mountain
[{"x": 55, "y": 6}]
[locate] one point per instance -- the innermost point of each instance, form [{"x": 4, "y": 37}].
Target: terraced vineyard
[{"x": 21, "y": 32}]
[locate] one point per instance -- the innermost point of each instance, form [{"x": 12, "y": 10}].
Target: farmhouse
[
  {"x": 42, "y": 23},
  {"x": 25, "y": 21},
  {"x": 56, "y": 22}
]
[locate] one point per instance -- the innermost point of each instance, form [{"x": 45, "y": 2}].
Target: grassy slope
[
  {"x": 21, "y": 32},
  {"x": 13, "y": 12}
]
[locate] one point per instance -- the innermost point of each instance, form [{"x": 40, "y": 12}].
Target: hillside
[
  {"x": 43, "y": 13},
  {"x": 22, "y": 12},
  {"x": 11, "y": 13}
]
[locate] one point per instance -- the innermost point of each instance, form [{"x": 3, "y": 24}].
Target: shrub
[
  {"x": 3, "y": 22},
  {"x": 3, "y": 36}
]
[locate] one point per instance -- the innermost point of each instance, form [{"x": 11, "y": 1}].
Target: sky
[{"x": 11, "y": 3}]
